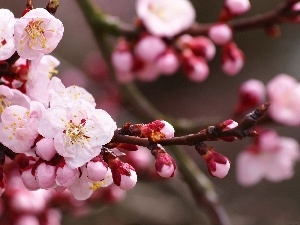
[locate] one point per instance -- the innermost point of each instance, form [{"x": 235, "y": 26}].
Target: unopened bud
[
  {"x": 123, "y": 174},
  {"x": 164, "y": 164},
  {"x": 220, "y": 34},
  {"x": 195, "y": 67},
  {"x": 237, "y": 7},
  {"x": 217, "y": 164},
  {"x": 232, "y": 59},
  {"x": 251, "y": 94}
]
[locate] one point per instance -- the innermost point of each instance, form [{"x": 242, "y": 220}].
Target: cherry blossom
[
  {"x": 79, "y": 131},
  {"x": 82, "y": 188},
  {"x": 284, "y": 93},
  {"x": 10, "y": 97},
  {"x": 166, "y": 17},
  {"x": 18, "y": 129},
  {"x": 39, "y": 76},
  {"x": 37, "y": 33},
  {"x": 7, "y": 45},
  {"x": 272, "y": 157},
  {"x": 60, "y": 95}
]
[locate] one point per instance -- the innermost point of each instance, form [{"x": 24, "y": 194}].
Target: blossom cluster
[
  {"x": 162, "y": 48},
  {"x": 55, "y": 134}
]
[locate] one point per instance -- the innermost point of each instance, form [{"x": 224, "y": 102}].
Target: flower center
[
  {"x": 158, "y": 11},
  {"x": 76, "y": 133},
  {"x": 96, "y": 185},
  {"x": 3, "y": 103},
  {"x": 36, "y": 33}
]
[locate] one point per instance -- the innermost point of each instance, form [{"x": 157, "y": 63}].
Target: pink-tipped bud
[
  {"x": 96, "y": 171},
  {"x": 232, "y": 59},
  {"x": 45, "y": 148},
  {"x": 217, "y": 164},
  {"x": 123, "y": 174},
  {"x": 251, "y": 94},
  {"x": 149, "y": 48},
  {"x": 228, "y": 125},
  {"x": 168, "y": 63},
  {"x": 237, "y": 7},
  {"x": 220, "y": 34},
  {"x": 164, "y": 164},
  {"x": 66, "y": 176},
  {"x": 45, "y": 176},
  {"x": 194, "y": 67}
]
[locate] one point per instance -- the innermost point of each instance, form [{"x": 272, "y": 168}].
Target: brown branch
[
  {"x": 209, "y": 134},
  {"x": 281, "y": 14}
]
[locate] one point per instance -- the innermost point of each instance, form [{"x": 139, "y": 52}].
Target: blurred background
[{"x": 169, "y": 201}]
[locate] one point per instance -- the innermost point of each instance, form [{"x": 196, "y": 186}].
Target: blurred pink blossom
[
  {"x": 284, "y": 94},
  {"x": 272, "y": 157},
  {"x": 166, "y": 17},
  {"x": 18, "y": 129}
]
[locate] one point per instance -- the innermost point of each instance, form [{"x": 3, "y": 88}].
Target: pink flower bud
[
  {"x": 202, "y": 46},
  {"x": 45, "y": 148},
  {"x": 45, "y": 175},
  {"x": 149, "y": 48},
  {"x": 232, "y": 59},
  {"x": 195, "y": 68},
  {"x": 217, "y": 164},
  {"x": 29, "y": 180},
  {"x": 220, "y": 34},
  {"x": 251, "y": 94},
  {"x": 123, "y": 174},
  {"x": 164, "y": 164},
  {"x": 167, "y": 63},
  {"x": 237, "y": 7},
  {"x": 122, "y": 59},
  {"x": 66, "y": 176},
  {"x": 96, "y": 171}
]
